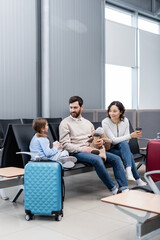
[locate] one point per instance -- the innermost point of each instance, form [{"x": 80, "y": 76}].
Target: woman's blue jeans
[
  {"x": 97, "y": 162},
  {"x": 122, "y": 149}
]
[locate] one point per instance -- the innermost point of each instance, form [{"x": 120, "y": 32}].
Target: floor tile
[
  {"x": 39, "y": 233},
  {"x": 85, "y": 216},
  {"x": 11, "y": 224},
  {"x": 85, "y": 226},
  {"x": 126, "y": 233}
]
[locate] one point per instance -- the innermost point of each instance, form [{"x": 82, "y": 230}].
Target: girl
[
  {"x": 41, "y": 145},
  {"x": 116, "y": 127}
]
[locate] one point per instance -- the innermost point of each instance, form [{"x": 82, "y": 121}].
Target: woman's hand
[
  {"x": 136, "y": 134},
  {"x": 57, "y": 145}
]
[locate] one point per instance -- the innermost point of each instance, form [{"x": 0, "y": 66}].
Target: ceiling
[{"x": 147, "y": 7}]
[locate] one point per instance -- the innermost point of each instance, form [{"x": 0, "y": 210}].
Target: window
[
  {"x": 124, "y": 78},
  {"x": 118, "y": 79},
  {"x": 148, "y": 25},
  {"x": 119, "y": 16},
  {"x": 118, "y": 85}
]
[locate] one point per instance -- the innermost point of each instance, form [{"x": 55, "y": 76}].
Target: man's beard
[{"x": 76, "y": 114}]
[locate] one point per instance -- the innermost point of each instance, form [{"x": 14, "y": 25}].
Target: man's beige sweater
[{"x": 74, "y": 134}]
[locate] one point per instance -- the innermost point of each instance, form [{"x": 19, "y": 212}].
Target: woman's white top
[{"x": 116, "y": 135}]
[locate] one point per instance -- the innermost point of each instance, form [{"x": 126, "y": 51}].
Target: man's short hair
[{"x": 76, "y": 99}]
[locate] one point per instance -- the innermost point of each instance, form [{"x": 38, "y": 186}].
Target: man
[{"x": 74, "y": 131}]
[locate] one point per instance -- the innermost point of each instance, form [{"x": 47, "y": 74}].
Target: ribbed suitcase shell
[
  {"x": 153, "y": 158},
  {"x": 43, "y": 190}
]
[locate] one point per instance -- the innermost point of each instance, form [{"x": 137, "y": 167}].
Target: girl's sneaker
[{"x": 68, "y": 162}]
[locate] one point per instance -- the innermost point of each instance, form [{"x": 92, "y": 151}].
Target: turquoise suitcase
[{"x": 43, "y": 189}]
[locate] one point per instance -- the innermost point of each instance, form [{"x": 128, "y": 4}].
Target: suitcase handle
[
  {"x": 63, "y": 190},
  {"x": 43, "y": 160}
]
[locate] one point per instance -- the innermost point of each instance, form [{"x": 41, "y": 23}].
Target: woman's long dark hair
[{"x": 120, "y": 107}]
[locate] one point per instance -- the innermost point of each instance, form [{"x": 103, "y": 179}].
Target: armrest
[
  {"x": 151, "y": 182},
  {"x": 143, "y": 148},
  {"x": 29, "y": 153},
  {"x": 147, "y": 139}
]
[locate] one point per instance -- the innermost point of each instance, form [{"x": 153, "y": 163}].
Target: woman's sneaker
[
  {"x": 129, "y": 174},
  {"x": 130, "y": 177},
  {"x": 140, "y": 182}
]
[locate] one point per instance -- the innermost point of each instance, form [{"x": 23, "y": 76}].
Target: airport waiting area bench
[{"x": 17, "y": 139}]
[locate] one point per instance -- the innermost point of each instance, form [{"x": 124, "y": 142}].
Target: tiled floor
[{"x": 85, "y": 216}]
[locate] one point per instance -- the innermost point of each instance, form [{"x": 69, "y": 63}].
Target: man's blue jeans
[
  {"x": 97, "y": 162},
  {"x": 122, "y": 149}
]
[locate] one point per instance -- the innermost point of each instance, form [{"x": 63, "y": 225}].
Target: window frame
[{"x": 135, "y": 15}]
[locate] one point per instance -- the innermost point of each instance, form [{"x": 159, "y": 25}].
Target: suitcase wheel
[
  {"x": 58, "y": 217},
  {"x": 28, "y": 217}
]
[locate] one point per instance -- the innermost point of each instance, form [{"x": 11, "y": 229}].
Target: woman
[{"x": 116, "y": 127}]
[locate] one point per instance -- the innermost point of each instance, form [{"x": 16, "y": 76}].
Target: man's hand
[
  {"x": 86, "y": 149},
  {"x": 99, "y": 142}
]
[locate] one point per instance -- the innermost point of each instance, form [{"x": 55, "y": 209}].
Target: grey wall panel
[
  {"x": 18, "y": 58},
  {"x": 149, "y": 120},
  {"x": 131, "y": 115},
  {"x": 100, "y": 115},
  {"x": 89, "y": 114},
  {"x": 76, "y": 53}
]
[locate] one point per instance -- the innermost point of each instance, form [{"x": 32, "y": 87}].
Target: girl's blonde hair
[{"x": 38, "y": 124}]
